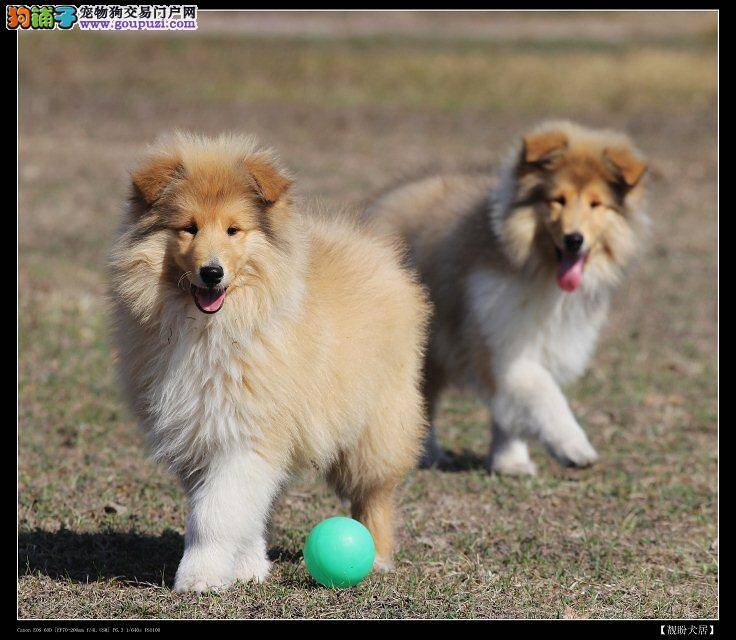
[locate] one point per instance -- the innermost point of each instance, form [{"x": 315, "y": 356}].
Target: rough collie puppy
[
  {"x": 520, "y": 268},
  {"x": 255, "y": 340}
]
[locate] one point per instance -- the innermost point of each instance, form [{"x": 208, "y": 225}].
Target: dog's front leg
[
  {"x": 225, "y": 534},
  {"x": 509, "y": 453},
  {"x": 528, "y": 402}
]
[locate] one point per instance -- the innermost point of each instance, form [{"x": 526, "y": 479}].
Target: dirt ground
[{"x": 352, "y": 103}]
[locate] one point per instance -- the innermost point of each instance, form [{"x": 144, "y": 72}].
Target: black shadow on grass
[
  {"x": 281, "y": 554},
  {"x": 128, "y": 556},
  {"x": 464, "y": 460}
]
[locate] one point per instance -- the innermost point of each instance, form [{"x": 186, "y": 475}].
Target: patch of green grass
[{"x": 568, "y": 74}]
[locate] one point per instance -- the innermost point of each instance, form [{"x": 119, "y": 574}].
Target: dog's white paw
[
  {"x": 383, "y": 565},
  {"x": 252, "y": 566},
  {"x": 200, "y": 578},
  {"x": 574, "y": 452},
  {"x": 511, "y": 467},
  {"x": 511, "y": 460},
  {"x": 509, "y": 456}
]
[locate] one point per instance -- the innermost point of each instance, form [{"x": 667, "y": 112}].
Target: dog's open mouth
[
  {"x": 570, "y": 269},
  {"x": 208, "y": 300}
]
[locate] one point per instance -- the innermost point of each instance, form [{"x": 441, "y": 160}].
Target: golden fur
[
  {"x": 313, "y": 359},
  {"x": 488, "y": 248}
]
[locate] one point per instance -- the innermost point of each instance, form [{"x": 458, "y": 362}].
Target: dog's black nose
[
  {"x": 573, "y": 241},
  {"x": 211, "y": 275}
]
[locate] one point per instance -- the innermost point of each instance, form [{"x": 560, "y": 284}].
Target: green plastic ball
[{"x": 339, "y": 552}]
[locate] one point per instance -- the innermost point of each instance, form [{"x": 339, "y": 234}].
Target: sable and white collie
[
  {"x": 520, "y": 268},
  {"x": 256, "y": 340}
]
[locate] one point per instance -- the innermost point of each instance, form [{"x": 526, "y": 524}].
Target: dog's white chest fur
[
  {"x": 197, "y": 401},
  {"x": 532, "y": 319}
]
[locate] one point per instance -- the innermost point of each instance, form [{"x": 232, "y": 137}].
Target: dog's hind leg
[
  {"x": 371, "y": 502},
  {"x": 432, "y": 453},
  {"x": 369, "y": 472},
  {"x": 509, "y": 454},
  {"x": 375, "y": 509}
]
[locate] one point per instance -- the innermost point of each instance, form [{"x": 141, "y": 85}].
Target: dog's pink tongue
[
  {"x": 570, "y": 271},
  {"x": 210, "y": 299}
]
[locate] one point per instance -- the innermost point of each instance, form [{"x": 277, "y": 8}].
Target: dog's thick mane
[
  {"x": 141, "y": 276},
  {"x": 515, "y": 237}
]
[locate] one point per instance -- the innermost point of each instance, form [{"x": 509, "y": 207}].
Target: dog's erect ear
[
  {"x": 626, "y": 166},
  {"x": 154, "y": 175},
  {"x": 539, "y": 147},
  {"x": 270, "y": 183}
]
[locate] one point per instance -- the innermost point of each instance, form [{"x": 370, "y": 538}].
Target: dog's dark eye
[
  {"x": 560, "y": 200},
  {"x": 232, "y": 231},
  {"x": 595, "y": 203},
  {"x": 192, "y": 228}
]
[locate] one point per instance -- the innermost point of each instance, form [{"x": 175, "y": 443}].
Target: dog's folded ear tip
[
  {"x": 152, "y": 176},
  {"x": 539, "y": 145},
  {"x": 626, "y": 164},
  {"x": 271, "y": 183}
]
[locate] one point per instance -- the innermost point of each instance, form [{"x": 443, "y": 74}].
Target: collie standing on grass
[
  {"x": 254, "y": 341},
  {"x": 520, "y": 269}
]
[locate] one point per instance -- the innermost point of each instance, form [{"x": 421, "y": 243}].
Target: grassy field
[{"x": 100, "y": 526}]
